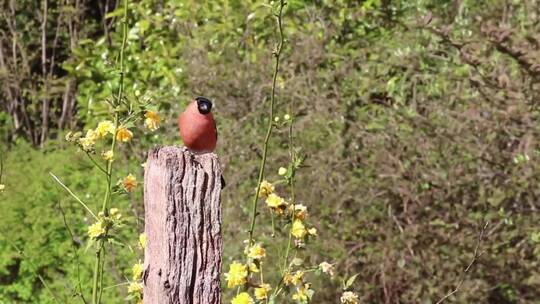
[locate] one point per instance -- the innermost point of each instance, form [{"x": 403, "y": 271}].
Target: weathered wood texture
[{"x": 182, "y": 258}]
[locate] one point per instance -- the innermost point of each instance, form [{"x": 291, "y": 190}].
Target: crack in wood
[{"x": 183, "y": 227}]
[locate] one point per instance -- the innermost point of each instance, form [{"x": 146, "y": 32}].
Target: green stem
[
  {"x": 96, "y": 278},
  {"x": 277, "y": 55},
  {"x": 73, "y": 195},
  {"x": 100, "y": 254},
  {"x": 101, "y": 276},
  {"x": 107, "y": 196},
  {"x": 95, "y": 163},
  {"x": 116, "y": 285},
  {"x": 75, "y": 251},
  {"x": 1, "y": 165},
  {"x": 291, "y": 185},
  {"x": 273, "y": 224}
]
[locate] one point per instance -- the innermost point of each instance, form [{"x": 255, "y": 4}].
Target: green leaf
[
  {"x": 90, "y": 243},
  {"x": 144, "y": 25},
  {"x": 497, "y": 198},
  {"x": 297, "y": 262},
  {"x": 117, "y": 12},
  {"x": 350, "y": 281}
]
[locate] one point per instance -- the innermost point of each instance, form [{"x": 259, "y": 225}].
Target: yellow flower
[
  {"x": 129, "y": 182},
  {"x": 242, "y": 298},
  {"x": 300, "y": 295},
  {"x": 287, "y": 117},
  {"x": 123, "y": 134},
  {"x": 92, "y": 135},
  {"x": 273, "y": 201},
  {"x": 237, "y": 274},
  {"x": 261, "y": 292},
  {"x": 297, "y": 277},
  {"x": 327, "y": 268},
  {"x": 137, "y": 271},
  {"x": 349, "y": 297},
  {"x": 287, "y": 278},
  {"x": 152, "y": 120},
  {"x": 282, "y": 171},
  {"x": 312, "y": 231},
  {"x": 256, "y": 252},
  {"x": 135, "y": 287},
  {"x": 298, "y": 229},
  {"x": 108, "y": 155},
  {"x": 96, "y": 230},
  {"x": 293, "y": 279},
  {"x": 142, "y": 240},
  {"x": 71, "y": 137},
  {"x": 276, "y": 203},
  {"x": 105, "y": 127},
  {"x": 266, "y": 189},
  {"x": 115, "y": 213},
  {"x": 300, "y": 211},
  {"x": 87, "y": 142},
  {"x": 2, "y": 187},
  {"x": 253, "y": 267}
]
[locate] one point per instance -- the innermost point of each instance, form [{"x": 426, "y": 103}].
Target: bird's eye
[{"x": 204, "y": 105}]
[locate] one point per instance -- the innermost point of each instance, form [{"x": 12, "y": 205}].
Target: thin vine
[{"x": 277, "y": 56}]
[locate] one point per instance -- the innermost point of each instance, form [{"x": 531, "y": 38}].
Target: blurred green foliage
[
  {"x": 419, "y": 119},
  {"x": 32, "y": 220}
]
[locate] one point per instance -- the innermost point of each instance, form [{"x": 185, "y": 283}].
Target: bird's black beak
[{"x": 204, "y": 105}]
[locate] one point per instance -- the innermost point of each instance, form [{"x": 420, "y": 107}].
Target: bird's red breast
[{"x": 198, "y": 131}]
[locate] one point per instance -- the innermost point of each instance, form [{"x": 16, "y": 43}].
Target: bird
[{"x": 198, "y": 127}]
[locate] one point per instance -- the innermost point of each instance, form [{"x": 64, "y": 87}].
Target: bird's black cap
[{"x": 204, "y": 105}]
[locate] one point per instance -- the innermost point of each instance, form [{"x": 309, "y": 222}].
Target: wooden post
[{"x": 182, "y": 257}]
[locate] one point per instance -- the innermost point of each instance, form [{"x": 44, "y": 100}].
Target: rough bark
[{"x": 183, "y": 227}]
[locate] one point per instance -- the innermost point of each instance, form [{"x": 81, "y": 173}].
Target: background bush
[{"x": 420, "y": 121}]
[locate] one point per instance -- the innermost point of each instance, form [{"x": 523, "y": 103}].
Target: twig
[
  {"x": 95, "y": 163},
  {"x": 74, "y": 250},
  {"x": 116, "y": 285},
  {"x": 463, "y": 275},
  {"x": 73, "y": 195}
]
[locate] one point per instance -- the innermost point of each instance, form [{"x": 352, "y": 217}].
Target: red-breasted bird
[{"x": 198, "y": 127}]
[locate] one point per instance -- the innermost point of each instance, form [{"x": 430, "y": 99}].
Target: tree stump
[{"x": 182, "y": 257}]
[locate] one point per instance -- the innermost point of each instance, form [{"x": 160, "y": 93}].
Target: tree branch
[{"x": 476, "y": 255}]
